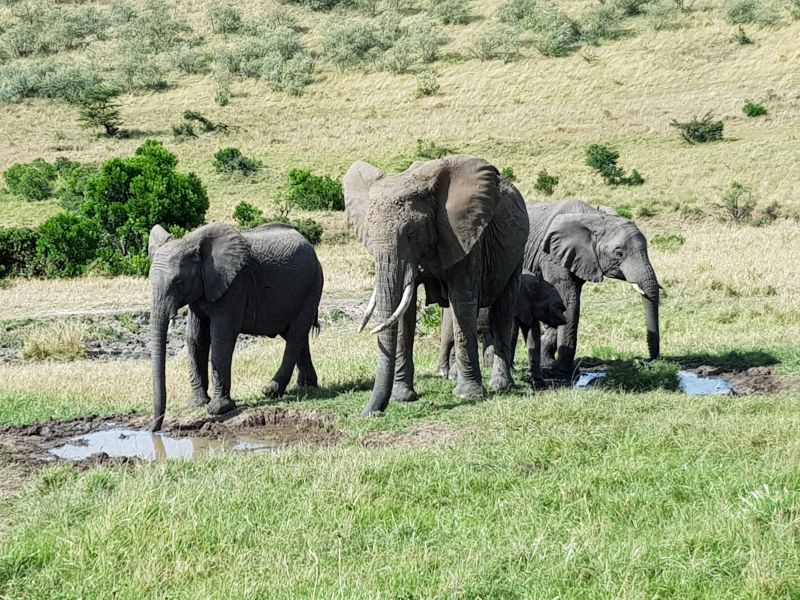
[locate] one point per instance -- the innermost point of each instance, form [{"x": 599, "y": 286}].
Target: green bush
[
  {"x": 625, "y": 213},
  {"x": 231, "y": 160},
  {"x": 664, "y": 15},
  {"x": 32, "y": 181},
  {"x": 310, "y": 229},
  {"x": 794, "y": 9},
  {"x": 668, "y": 242},
  {"x": 46, "y": 79},
  {"x": 313, "y": 192},
  {"x": 499, "y": 41},
  {"x": 738, "y": 204},
  {"x": 554, "y": 33},
  {"x": 603, "y": 159},
  {"x": 425, "y": 38},
  {"x": 753, "y": 109},
  {"x": 153, "y": 29},
  {"x": 225, "y": 18},
  {"x": 600, "y": 23},
  {"x": 141, "y": 71},
  {"x": 248, "y": 216},
  {"x": 130, "y": 195},
  {"x": 291, "y": 75},
  {"x": 183, "y": 131},
  {"x": 508, "y": 173},
  {"x": 67, "y": 243},
  {"x": 98, "y": 109},
  {"x": 427, "y": 83},
  {"x": 21, "y": 40},
  {"x": 631, "y": 8},
  {"x": 700, "y": 131},
  {"x": 320, "y": 4},
  {"x": 188, "y": 59},
  {"x": 451, "y": 12},
  {"x": 741, "y": 37},
  {"x": 431, "y": 149},
  {"x": 749, "y": 11},
  {"x": 74, "y": 180},
  {"x": 354, "y": 43},
  {"x": 17, "y": 251},
  {"x": 545, "y": 183}
]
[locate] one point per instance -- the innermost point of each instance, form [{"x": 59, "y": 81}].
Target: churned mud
[{"x": 124, "y": 439}]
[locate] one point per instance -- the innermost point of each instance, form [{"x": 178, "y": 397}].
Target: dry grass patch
[{"x": 58, "y": 340}]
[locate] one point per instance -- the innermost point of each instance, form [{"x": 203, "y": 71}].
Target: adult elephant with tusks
[
  {"x": 573, "y": 242},
  {"x": 266, "y": 281},
  {"x": 456, "y": 225}
]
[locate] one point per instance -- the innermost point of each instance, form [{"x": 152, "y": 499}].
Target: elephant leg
[
  {"x": 568, "y": 337},
  {"x": 306, "y": 374},
  {"x": 488, "y": 349},
  {"x": 198, "y": 343},
  {"x": 501, "y": 324},
  {"x": 533, "y": 343},
  {"x": 223, "y": 340},
  {"x": 465, "y": 317},
  {"x": 445, "y": 343},
  {"x": 291, "y": 355},
  {"x": 549, "y": 344},
  {"x": 452, "y": 373},
  {"x": 403, "y": 386}
]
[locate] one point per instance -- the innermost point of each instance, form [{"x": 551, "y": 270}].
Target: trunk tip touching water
[{"x": 158, "y": 328}]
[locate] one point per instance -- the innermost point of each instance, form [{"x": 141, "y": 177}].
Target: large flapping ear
[
  {"x": 158, "y": 237},
  {"x": 356, "y": 183},
  {"x": 466, "y": 190},
  {"x": 223, "y": 252},
  {"x": 571, "y": 240}
]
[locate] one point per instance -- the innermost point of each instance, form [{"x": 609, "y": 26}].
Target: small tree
[
  {"x": 753, "y": 109},
  {"x": 248, "y": 216},
  {"x": 97, "y": 108},
  {"x": 545, "y": 183},
  {"x": 700, "y": 131},
  {"x": 738, "y": 203},
  {"x": 604, "y": 160}
]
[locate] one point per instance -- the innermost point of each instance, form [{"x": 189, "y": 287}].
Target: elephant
[
  {"x": 537, "y": 301},
  {"x": 460, "y": 228},
  {"x": 266, "y": 281},
  {"x": 573, "y": 243}
]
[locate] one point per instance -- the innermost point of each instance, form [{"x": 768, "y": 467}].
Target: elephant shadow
[{"x": 296, "y": 394}]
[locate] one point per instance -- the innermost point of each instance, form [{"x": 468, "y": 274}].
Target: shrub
[
  {"x": 225, "y": 18},
  {"x": 554, "y": 33},
  {"x": 74, "y": 180},
  {"x": 98, "y": 109},
  {"x": 154, "y": 29},
  {"x": 399, "y": 58},
  {"x": 291, "y": 76},
  {"x": 222, "y": 96},
  {"x": 430, "y": 149},
  {"x": 67, "y": 243},
  {"x": 138, "y": 71},
  {"x": 130, "y": 195},
  {"x": 700, "y": 131},
  {"x": 753, "y": 109},
  {"x": 310, "y": 229},
  {"x": 738, "y": 203},
  {"x": 231, "y": 160},
  {"x": 600, "y": 23},
  {"x": 663, "y": 15},
  {"x": 313, "y": 192},
  {"x": 669, "y": 242},
  {"x": 603, "y": 159},
  {"x": 17, "y": 251},
  {"x": 183, "y": 131},
  {"x": 741, "y": 37},
  {"x": 320, "y": 4},
  {"x": 631, "y": 8},
  {"x": 353, "y": 43},
  {"x": 545, "y": 183},
  {"x": 625, "y": 213},
  {"x": 248, "y": 216},
  {"x": 188, "y": 59},
  {"x": 427, "y": 83},
  {"x": 58, "y": 339},
  {"x": 451, "y": 12},
  {"x": 21, "y": 40},
  {"x": 749, "y": 11},
  {"x": 46, "y": 79},
  {"x": 516, "y": 11},
  {"x": 508, "y": 173},
  {"x": 69, "y": 29},
  {"x": 794, "y": 8},
  {"x": 32, "y": 181},
  {"x": 497, "y": 42}
]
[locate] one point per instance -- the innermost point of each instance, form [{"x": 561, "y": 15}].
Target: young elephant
[
  {"x": 537, "y": 301},
  {"x": 266, "y": 281}
]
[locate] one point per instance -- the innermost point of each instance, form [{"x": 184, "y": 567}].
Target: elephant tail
[{"x": 315, "y": 328}]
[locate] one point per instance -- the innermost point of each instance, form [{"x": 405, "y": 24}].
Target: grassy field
[{"x": 555, "y": 494}]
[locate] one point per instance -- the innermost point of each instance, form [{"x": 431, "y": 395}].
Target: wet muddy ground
[{"x": 125, "y": 439}]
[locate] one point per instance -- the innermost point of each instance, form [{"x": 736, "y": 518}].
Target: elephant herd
[{"x": 453, "y": 225}]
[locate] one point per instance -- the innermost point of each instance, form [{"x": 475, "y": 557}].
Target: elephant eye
[{"x": 618, "y": 252}]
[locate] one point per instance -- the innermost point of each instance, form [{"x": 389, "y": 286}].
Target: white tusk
[
  {"x": 638, "y": 289},
  {"x": 370, "y": 308},
  {"x": 396, "y": 315}
]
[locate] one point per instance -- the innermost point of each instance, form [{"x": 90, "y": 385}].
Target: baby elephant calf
[{"x": 538, "y": 301}]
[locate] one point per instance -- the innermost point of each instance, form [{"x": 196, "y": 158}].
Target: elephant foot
[
  {"x": 198, "y": 399},
  {"x": 220, "y": 406},
  {"x": 560, "y": 372},
  {"x": 537, "y": 382},
  {"x": 403, "y": 393},
  {"x": 452, "y": 374},
  {"x": 443, "y": 371},
  {"x": 273, "y": 390},
  {"x": 468, "y": 389},
  {"x": 306, "y": 382},
  {"x": 501, "y": 383}
]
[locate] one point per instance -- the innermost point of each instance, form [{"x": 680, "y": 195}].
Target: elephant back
[{"x": 540, "y": 216}]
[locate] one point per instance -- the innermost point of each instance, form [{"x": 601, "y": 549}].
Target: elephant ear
[
  {"x": 571, "y": 241},
  {"x": 356, "y": 183},
  {"x": 223, "y": 252},
  {"x": 158, "y": 237},
  {"x": 467, "y": 190},
  {"x": 607, "y": 210}
]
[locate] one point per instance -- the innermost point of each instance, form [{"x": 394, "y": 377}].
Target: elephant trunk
[
  {"x": 647, "y": 286},
  {"x": 391, "y": 285},
  {"x": 159, "y": 323}
]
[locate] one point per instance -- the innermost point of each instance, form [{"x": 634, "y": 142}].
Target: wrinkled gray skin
[
  {"x": 538, "y": 301},
  {"x": 266, "y": 281},
  {"x": 572, "y": 243},
  {"x": 454, "y": 224}
]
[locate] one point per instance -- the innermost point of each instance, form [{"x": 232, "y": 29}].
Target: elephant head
[
  {"x": 599, "y": 244},
  {"x": 539, "y": 300},
  {"x": 431, "y": 215},
  {"x": 198, "y": 267}
]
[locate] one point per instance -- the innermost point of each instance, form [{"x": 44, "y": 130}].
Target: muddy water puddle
[
  {"x": 144, "y": 445},
  {"x": 689, "y": 383}
]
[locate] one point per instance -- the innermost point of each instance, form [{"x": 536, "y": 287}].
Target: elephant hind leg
[
  {"x": 501, "y": 323},
  {"x": 306, "y": 374}
]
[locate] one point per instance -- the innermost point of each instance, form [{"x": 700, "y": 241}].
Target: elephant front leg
[
  {"x": 403, "y": 387},
  {"x": 445, "y": 343},
  {"x": 223, "y": 341},
  {"x": 501, "y": 325},
  {"x": 564, "y": 366},
  {"x": 198, "y": 342},
  {"x": 465, "y": 328},
  {"x": 533, "y": 343}
]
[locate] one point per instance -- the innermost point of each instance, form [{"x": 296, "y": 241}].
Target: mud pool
[
  {"x": 689, "y": 383},
  {"x": 130, "y": 443}
]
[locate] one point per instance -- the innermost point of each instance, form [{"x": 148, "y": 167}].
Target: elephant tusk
[
  {"x": 401, "y": 309},
  {"x": 638, "y": 289},
  {"x": 368, "y": 311}
]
